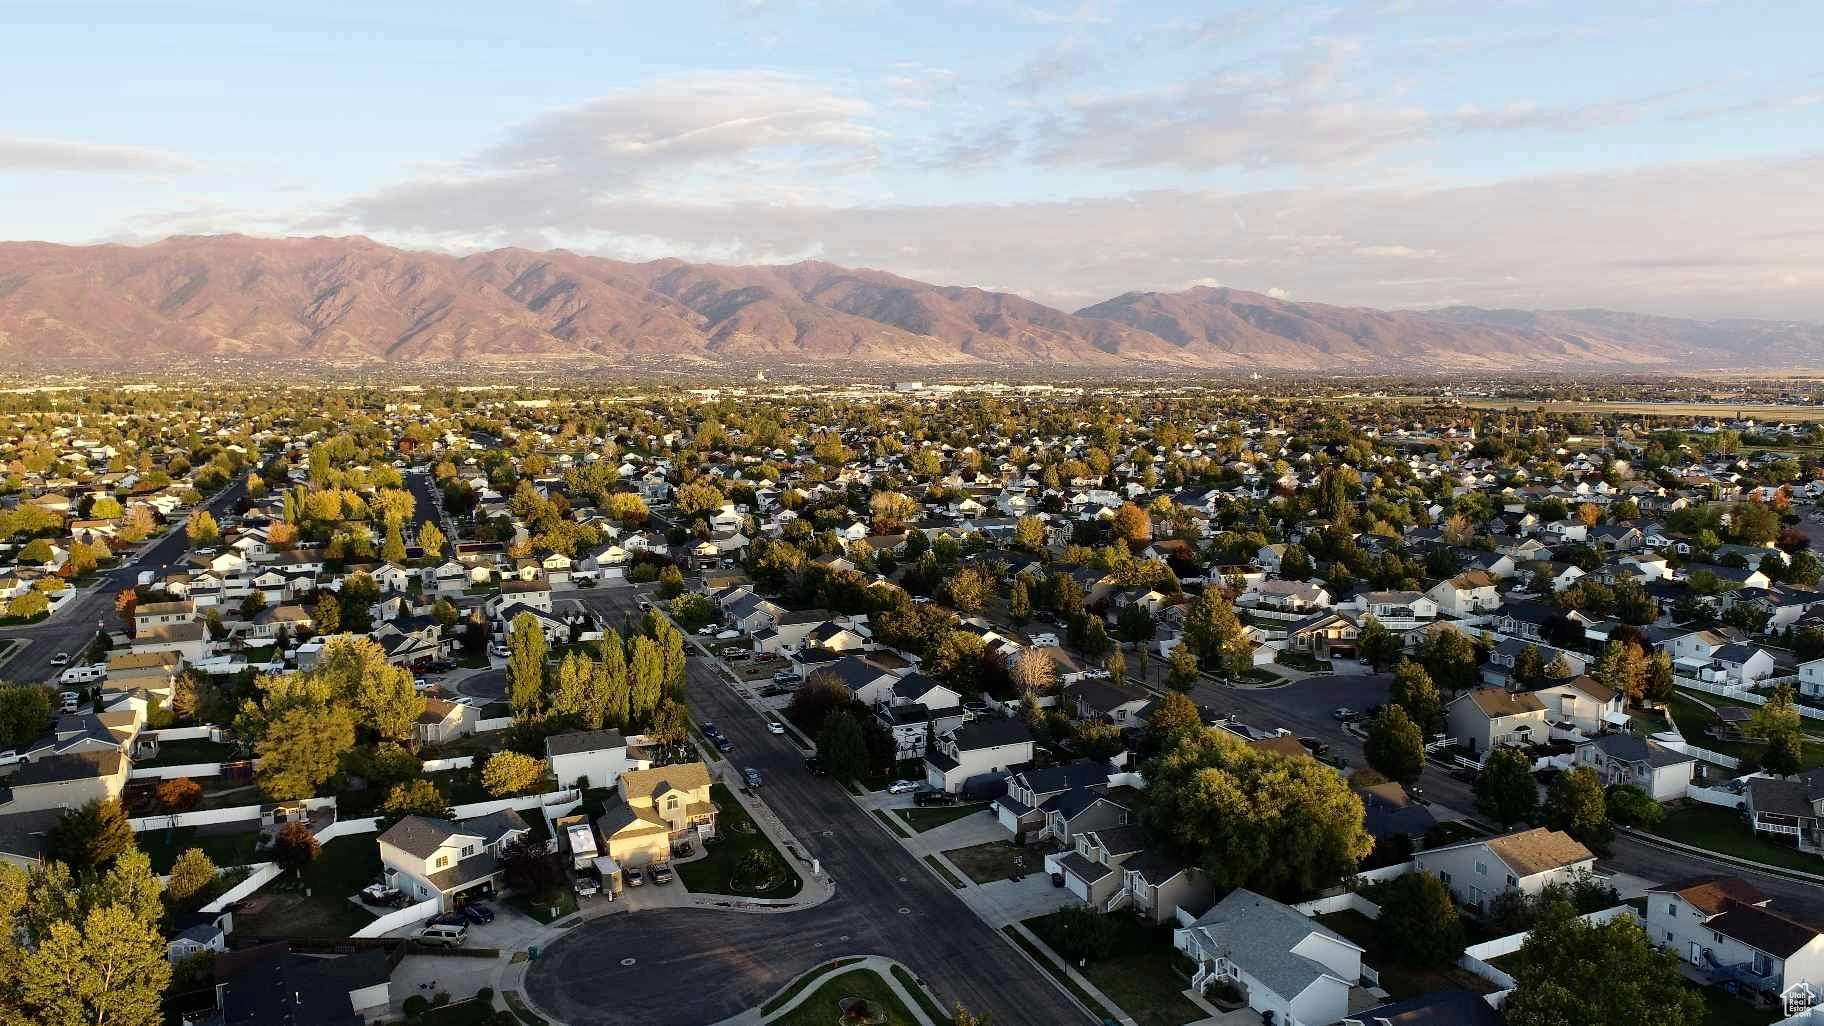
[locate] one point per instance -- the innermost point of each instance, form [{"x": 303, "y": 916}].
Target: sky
[{"x": 1661, "y": 156}]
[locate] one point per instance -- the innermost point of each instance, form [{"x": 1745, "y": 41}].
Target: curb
[{"x": 1679, "y": 847}]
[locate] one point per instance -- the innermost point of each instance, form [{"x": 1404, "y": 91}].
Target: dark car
[
  {"x": 752, "y": 776},
  {"x": 724, "y": 745},
  {"x": 448, "y": 919},
  {"x": 928, "y": 795},
  {"x": 478, "y": 914},
  {"x": 814, "y": 764}
]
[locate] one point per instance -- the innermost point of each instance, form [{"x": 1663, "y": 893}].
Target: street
[
  {"x": 886, "y": 904},
  {"x": 72, "y": 628}
]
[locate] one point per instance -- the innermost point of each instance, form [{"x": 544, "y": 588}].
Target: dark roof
[
  {"x": 267, "y": 985},
  {"x": 1439, "y": 1008},
  {"x": 1053, "y": 779},
  {"x": 1759, "y": 928},
  {"x": 76, "y": 766},
  {"x": 1083, "y": 869},
  {"x": 990, "y": 733},
  {"x": 578, "y": 741},
  {"x": 22, "y": 833}
]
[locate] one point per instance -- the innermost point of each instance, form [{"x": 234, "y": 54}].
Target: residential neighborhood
[{"x": 1048, "y": 703}]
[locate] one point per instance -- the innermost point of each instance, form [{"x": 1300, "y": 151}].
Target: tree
[
  {"x": 295, "y": 846},
  {"x": 327, "y": 616},
  {"x": 698, "y": 499},
  {"x": 25, "y": 713},
  {"x": 840, "y": 747},
  {"x": 105, "y": 966},
  {"x": 386, "y": 697},
  {"x": 90, "y": 836},
  {"x": 526, "y": 666},
  {"x": 1395, "y": 746},
  {"x": 510, "y": 773},
  {"x": 1172, "y": 719},
  {"x": 202, "y": 529},
  {"x": 1278, "y": 824},
  {"x": 138, "y": 525},
  {"x": 1505, "y": 791},
  {"x": 1623, "y": 669},
  {"x": 300, "y": 749},
  {"x": 1632, "y": 806},
  {"x": 1778, "y": 722},
  {"x": 969, "y": 589},
  {"x": 393, "y": 549},
  {"x": 1379, "y": 647},
  {"x": 1659, "y": 676},
  {"x": 670, "y": 723},
  {"x": 671, "y": 583},
  {"x": 1215, "y": 635},
  {"x": 1529, "y": 666},
  {"x": 645, "y": 679},
  {"x": 1133, "y": 525},
  {"x": 431, "y": 540},
  {"x": 179, "y": 794},
  {"x": 1019, "y": 602},
  {"x": 1181, "y": 668},
  {"x": 1419, "y": 925},
  {"x": 1034, "y": 672},
  {"x": 1450, "y": 659},
  {"x": 29, "y": 606},
  {"x": 1413, "y": 691},
  {"x": 1575, "y": 805},
  {"x": 1784, "y": 755},
  {"x": 417, "y": 797},
  {"x": 892, "y": 511},
  {"x": 1029, "y": 534},
  {"x": 192, "y": 872},
  {"x": 1572, "y": 973}
]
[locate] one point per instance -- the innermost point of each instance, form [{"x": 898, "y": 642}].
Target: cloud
[
  {"x": 1066, "y": 62},
  {"x": 24, "y": 154},
  {"x": 1278, "y": 293},
  {"x": 917, "y": 87}
]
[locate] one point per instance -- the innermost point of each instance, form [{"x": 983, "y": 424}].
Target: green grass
[
  {"x": 924, "y": 1000},
  {"x": 736, "y": 835},
  {"x": 823, "y": 1007},
  {"x": 1139, "y": 975},
  {"x": 923, "y": 819},
  {"x": 944, "y": 871},
  {"x": 984, "y": 863},
  {"x": 1396, "y": 979},
  {"x": 340, "y": 870},
  {"x": 1714, "y": 828},
  {"x": 792, "y": 989},
  {"x": 1693, "y": 721},
  {"x": 223, "y": 848},
  {"x": 1723, "y": 1010},
  {"x": 517, "y": 1006},
  {"x": 893, "y": 823},
  {"x": 539, "y": 906},
  {"x": 187, "y": 752},
  {"x": 1051, "y": 969}
]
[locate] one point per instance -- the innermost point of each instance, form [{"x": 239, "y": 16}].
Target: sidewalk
[
  {"x": 880, "y": 965},
  {"x": 818, "y": 888}
]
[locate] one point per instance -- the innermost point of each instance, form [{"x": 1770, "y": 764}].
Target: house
[
  {"x": 65, "y": 781},
  {"x": 1389, "y": 814},
  {"x": 1396, "y": 610},
  {"x": 160, "y": 614},
  {"x": 1722, "y": 925},
  {"x": 268, "y": 984},
  {"x": 1811, "y": 678},
  {"x": 1033, "y": 794},
  {"x": 195, "y": 932},
  {"x": 977, "y": 748},
  {"x": 533, "y": 594},
  {"x": 1792, "y": 807},
  {"x": 1467, "y": 594},
  {"x": 1290, "y": 596},
  {"x": 1584, "y": 703},
  {"x": 1486, "y": 717},
  {"x": 426, "y": 856},
  {"x": 1477, "y": 871},
  {"x": 1158, "y": 885},
  {"x": 655, "y": 810},
  {"x": 1324, "y": 635},
  {"x": 1098, "y": 699},
  {"x": 589, "y": 758},
  {"x": 443, "y": 720},
  {"x": 1283, "y": 961},
  {"x": 1622, "y": 758},
  {"x": 1092, "y": 865}
]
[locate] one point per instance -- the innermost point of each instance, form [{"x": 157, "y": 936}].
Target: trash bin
[{"x": 532, "y": 952}]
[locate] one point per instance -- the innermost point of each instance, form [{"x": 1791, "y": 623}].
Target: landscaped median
[
  {"x": 854, "y": 989},
  {"x": 742, "y": 860}
]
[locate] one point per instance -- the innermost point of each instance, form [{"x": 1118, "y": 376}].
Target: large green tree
[
  {"x": 1419, "y": 925},
  {"x": 25, "y": 713},
  {"x": 91, "y": 836},
  {"x": 1413, "y": 691},
  {"x": 526, "y": 650},
  {"x": 1505, "y": 790},
  {"x": 89, "y": 956},
  {"x": 841, "y": 748},
  {"x": 1570, "y": 973},
  {"x": 301, "y": 749},
  {"x": 1394, "y": 745},
  {"x": 1575, "y": 804}
]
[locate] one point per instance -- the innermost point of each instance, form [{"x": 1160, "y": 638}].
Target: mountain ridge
[{"x": 352, "y": 299}]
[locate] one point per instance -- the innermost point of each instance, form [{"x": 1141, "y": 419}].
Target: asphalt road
[
  {"x": 727, "y": 961},
  {"x": 74, "y": 626},
  {"x": 426, "y": 506}
]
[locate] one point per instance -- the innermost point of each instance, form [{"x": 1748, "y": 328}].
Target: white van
[
  {"x": 449, "y": 935},
  {"x": 71, "y": 701},
  {"x": 84, "y": 674}
]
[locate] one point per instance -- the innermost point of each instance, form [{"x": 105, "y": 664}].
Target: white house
[
  {"x": 1477, "y": 871},
  {"x": 1284, "y": 961},
  {"x": 1466, "y": 594},
  {"x": 427, "y": 857},
  {"x": 591, "y": 758},
  {"x": 1490, "y": 716},
  {"x": 1722, "y": 925},
  {"x": 976, "y": 748},
  {"x": 1811, "y": 678},
  {"x": 1644, "y": 763}
]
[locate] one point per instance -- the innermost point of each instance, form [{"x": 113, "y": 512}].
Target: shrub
[{"x": 179, "y": 794}]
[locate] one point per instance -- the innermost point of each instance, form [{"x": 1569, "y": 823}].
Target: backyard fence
[
  {"x": 262, "y": 874},
  {"x": 439, "y": 765},
  {"x": 406, "y": 916},
  {"x": 194, "y": 769}
]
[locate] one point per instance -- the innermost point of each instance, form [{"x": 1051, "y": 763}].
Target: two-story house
[
  {"x": 1396, "y": 610},
  {"x": 1284, "y": 962},
  {"x": 978, "y": 748},
  {"x": 590, "y": 758},
  {"x": 1477, "y": 871},
  {"x": 1486, "y": 717},
  {"x": 1722, "y": 925},
  {"x": 1790, "y": 807},
  {"x": 1467, "y": 594},
  {"x": 656, "y": 810},
  {"x": 1584, "y": 703},
  {"x": 1811, "y": 678},
  {"x": 1623, "y": 758},
  {"x": 1092, "y": 864},
  {"x": 426, "y": 857}
]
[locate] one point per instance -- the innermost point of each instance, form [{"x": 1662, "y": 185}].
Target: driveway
[{"x": 486, "y": 685}]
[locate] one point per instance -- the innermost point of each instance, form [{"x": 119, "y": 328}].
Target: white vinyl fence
[
  {"x": 262, "y": 874},
  {"x": 439, "y": 765},
  {"x": 406, "y": 916}
]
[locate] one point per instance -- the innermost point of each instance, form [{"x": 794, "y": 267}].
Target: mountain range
[{"x": 353, "y": 300}]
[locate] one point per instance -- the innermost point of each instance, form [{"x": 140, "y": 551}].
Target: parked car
[
  {"x": 447, "y": 919},
  {"x": 928, "y": 795},
  {"x": 448, "y": 935},
  {"x": 706, "y": 631},
  {"x": 1057, "y": 879},
  {"x": 775, "y": 727},
  {"x": 478, "y": 914},
  {"x": 661, "y": 874},
  {"x": 60, "y": 659},
  {"x": 724, "y": 745},
  {"x": 727, "y": 635},
  {"x": 379, "y": 894},
  {"x": 635, "y": 877},
  {"x": 586, "y": 886},
  {"x": 785, "y": 676},
  {"x": 1342, "y": 712},
  {"x": 752, "y": 776},
  {"x": 902, "y": 787},
  {"x": 814, "y": 764}
]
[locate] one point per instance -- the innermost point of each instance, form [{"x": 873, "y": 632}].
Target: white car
[
  {"x": 728, "y": 635},
  {"x": 902, "y": 787},
  {"x": 60, "y": 659},
  {"x": 775, "y": 727}
]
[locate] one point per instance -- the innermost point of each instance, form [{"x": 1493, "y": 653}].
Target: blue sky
[{"x": 1654, "y": 156}]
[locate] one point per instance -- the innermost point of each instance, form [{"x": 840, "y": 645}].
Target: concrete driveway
[{"x": 978, "y": 828}]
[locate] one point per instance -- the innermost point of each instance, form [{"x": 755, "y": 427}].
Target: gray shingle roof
[{"x": 1258, "y": 935}]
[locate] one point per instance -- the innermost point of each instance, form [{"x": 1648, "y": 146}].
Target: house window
[
  {"x": 442, "y": 861},
  {"x": 1444, "y": 877},
  {"x": 671, "y": 803},
  {"x": 1481, "y": 869},
  {"x": 1763, "y": 966},
  {"x": 1672, "y": 909},
  {"x": 1511, "y": 882},
  {"x": 467, "y": 850}
]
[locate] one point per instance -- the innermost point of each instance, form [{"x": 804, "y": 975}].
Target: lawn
[
  {"x": 1399, "y": 980},
  {"x": 461, "y": 1013},
  {"x": 796, "y": 986},
  {"x": 924, "y": 1000},
  {"x": 341, "y": 869},
  {"x": 224, "y": 847},
  {"x": 1717, "y": 829},
  {"x": 540, "y": 906},
  {"x": 996, "y": 860},
  {"x": 824, "y": 1006},
  {"x": 1139, "y": 975},
  {"x": 927, "y": 817},
  {"x": 1723, "y": 1010},
  {"x": 190, "y": 752},
  {"x": 719, "y": 871},
  {"x": 1693, "y": 721}
]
